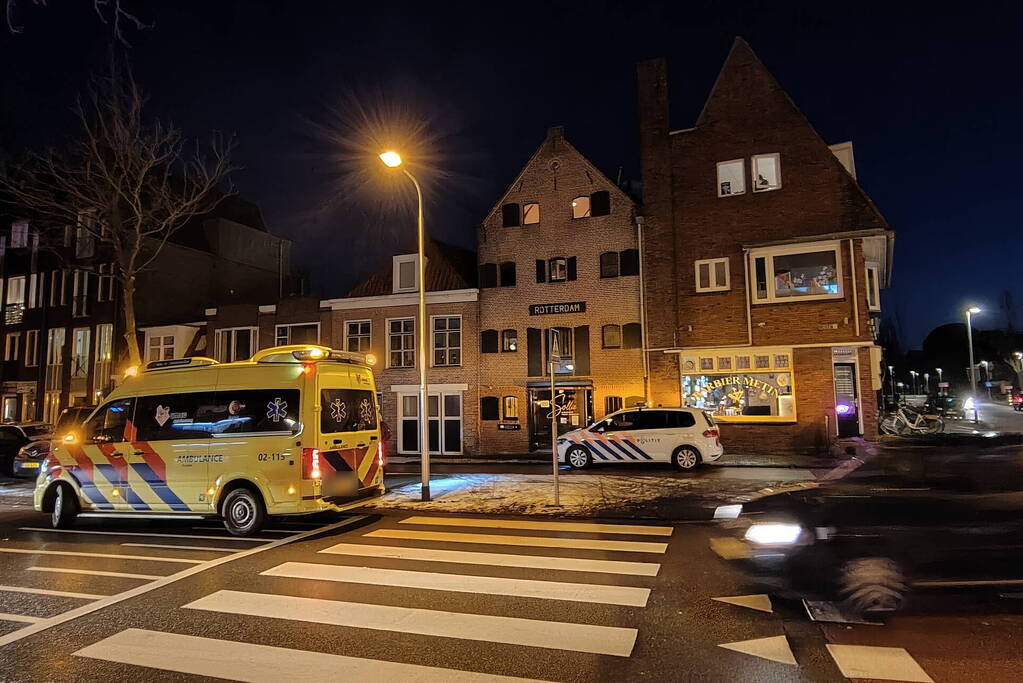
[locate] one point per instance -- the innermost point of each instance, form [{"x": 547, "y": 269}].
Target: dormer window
[
  {"x": 766, "y": 172},
  {"x": 406, "y": 273}
]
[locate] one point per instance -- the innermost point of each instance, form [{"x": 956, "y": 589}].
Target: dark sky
[{"x": 932, "y": 100}]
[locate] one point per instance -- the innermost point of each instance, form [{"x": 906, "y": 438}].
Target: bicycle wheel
[
  {"x": 887, "y": 425},
  {"x": 935, "y": 426}
]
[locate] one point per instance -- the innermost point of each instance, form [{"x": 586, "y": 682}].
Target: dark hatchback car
[
  {"x": 13, "y": 437},
  {"x": 934, "y": 514}
]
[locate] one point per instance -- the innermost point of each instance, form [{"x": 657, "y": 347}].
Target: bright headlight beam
[{"x": 773, "y": 534}]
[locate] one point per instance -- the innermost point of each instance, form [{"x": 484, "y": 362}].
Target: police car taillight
[{"x": 311, "y": 463}]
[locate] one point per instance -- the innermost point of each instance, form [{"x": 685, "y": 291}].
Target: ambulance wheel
[
  {"x": 65, "y": 507},
  {"x": 578, "y": 458},
  {"x": 685, "y": 458},
  {"x": 243, "y": 512}
]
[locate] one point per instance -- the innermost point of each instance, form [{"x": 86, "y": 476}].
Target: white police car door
[
  {"x": 652, "y": 435},
  {"x": 623, "y": 437}
]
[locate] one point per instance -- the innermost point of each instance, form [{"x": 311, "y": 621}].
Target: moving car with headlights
[
  {"x": 294, "y": 430},
  {"x": 685, "y": 437},
  {"x": 13, "y": 437},
  {"x": 942, "y": 517}
]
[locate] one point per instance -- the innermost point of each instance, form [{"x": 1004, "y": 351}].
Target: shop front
[
  {"x": 573, "y": 408},
  {"x": 741, "y": 385}
]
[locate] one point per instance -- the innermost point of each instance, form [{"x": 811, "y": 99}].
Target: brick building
[
  {"x": 763, "y": 261},
  {"x": 557, "y": 252}
]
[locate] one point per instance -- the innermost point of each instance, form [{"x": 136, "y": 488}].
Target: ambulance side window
[
  {"x": 347, "y": 410},
  {"x": 174, "y": 416},
  {"x": 255, "y": 411},
  {"x": 107, "y": 425}
]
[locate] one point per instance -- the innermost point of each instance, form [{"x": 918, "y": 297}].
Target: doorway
[
  {"x": 11, "y": 408},
  {"x": 574, "y": 406},
  {"x": 847, "y": 400}
]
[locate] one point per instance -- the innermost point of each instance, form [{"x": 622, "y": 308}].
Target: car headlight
[{"x": 773, "y": 533}]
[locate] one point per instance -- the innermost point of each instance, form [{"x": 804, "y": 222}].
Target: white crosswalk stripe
[
  {"x": 608, "y": 640},
  {"x": 182, "y": 547},
  {"x": 536, "y": 541},
  {"x": 579, "y": 527},
  {"x": 95, "y": 572}
]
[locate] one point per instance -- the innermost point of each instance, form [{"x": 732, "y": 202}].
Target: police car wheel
[
  {"x": 65, "y": 507},
  {"x": 578, "y": 457},
  {"x": 685, "y": 458},
  {"x": 243, "y": 512}
]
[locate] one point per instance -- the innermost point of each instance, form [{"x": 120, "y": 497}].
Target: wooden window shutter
[
  {"x": 571, "y": 267},
  {"x": 511, "y": 216},
  {"x": 630, "y": 262},
  {"x": 632, "y": 336},
  {"x": 534, "y": 352},
  {"x": 582, "y": 350},
  {"x": 508, "y": 274},
  {"x": 488, "y": 341},
  {"x": 490, "y": 408},
  {"x": 600, "y": 203},
  {"x": 488, "y": 275},
  {"x": 541, "y": 270}
]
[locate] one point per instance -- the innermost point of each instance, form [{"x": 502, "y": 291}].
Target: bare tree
[
  {"x": 128, "y": 182},
  {"x": 110, "y": 12}
]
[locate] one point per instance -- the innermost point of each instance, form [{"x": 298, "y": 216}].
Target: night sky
[{"x": 931, "y": 99}]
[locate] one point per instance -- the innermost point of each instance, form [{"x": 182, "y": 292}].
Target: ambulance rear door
[{"x": 349, "y": 438}]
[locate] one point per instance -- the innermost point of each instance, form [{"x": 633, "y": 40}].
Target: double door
[
  {"x": 572, "y": 409},
  {"x": 445, "y": 423}
]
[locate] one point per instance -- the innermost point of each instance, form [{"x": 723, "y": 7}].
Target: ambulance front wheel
[
  {"x": 578, "y": 457},
  {"x": 243, "y": 512},
  {"x": 65, "y": 507}
]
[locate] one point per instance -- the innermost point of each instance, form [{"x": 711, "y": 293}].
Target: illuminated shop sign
[{"x": 751, "y": 397}]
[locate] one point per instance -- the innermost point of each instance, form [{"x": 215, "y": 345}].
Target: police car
[{"x": 685, "y": 437}]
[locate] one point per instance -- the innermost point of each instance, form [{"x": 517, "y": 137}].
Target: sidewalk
[{"x": 727, "y": 460}]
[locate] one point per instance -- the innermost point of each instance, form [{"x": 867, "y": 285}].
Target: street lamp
[
  {"x": 913, "y": 374},
  {"x": 970, "y": 312},
  {"x": 891, "y": 379},
  {"x": 392, "y": 159},
  {"x": 927, "y": 383},
  {"x": 940, "y": 392}
]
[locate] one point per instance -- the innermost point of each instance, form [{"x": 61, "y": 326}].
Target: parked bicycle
[{"x": 905, "y": 420}]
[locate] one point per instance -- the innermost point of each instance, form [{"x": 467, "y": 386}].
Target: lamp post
[
  {"x": 970, "y": 312},
  {"x": 891, "y": 379},
  {"x": 913, "y": 374},
  {"x": 940, "y": 392},
  {"x": 392, "y": 159},
  {"x": 927, "y": 383}
]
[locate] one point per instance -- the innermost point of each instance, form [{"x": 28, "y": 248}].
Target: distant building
[{"x": 763, "y": 261}]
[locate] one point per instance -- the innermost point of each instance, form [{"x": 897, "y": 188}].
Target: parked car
[
  {"x": 29, "y": 457},
  {"x": 685, "y": 437},
  {"x": 14, "y": 436},
  {"x": 932, "y": 517},
  {"x": 71, "y": 417}
]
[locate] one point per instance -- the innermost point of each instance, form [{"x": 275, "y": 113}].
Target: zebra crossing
[{"x": 377, "y": 580}]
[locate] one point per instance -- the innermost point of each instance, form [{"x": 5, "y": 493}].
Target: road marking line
[
  {"x": 71, "y": 553},
  {"x": 5, "y": 616},
  {"x": 774, "y": 648},
  {"x": 607, "y": 640},
  {"x": 496, "y": 559},
  {"x": 47, "y": 591},
  {"x": 537, "y": 541},
  {"x": 262, "y": 531},
  {"x": 759, "y": 602},
  {"x": 253, "y": 663},
  {"x": 200, "y": 566},
  {"x": 95, "y": 572},
  {"x": 633, "y": 530},
  {"x": 881, "y": 663},
  {"x": 139, "y": 533},
  {"x": 952, "y": 584},
  {"x": 182, "y": 547},
  {"x": 487, "y": 585}
]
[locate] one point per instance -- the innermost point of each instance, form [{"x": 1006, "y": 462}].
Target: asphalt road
[{"x": 437, "y": 598}]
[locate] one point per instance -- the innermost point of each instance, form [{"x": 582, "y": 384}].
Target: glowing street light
[
  {"x": 914, "y": 373},
  {"x": 970, "y": 312},
  {"x": 392, "y": 159}
]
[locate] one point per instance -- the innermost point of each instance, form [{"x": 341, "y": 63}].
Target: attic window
[
  {"x": 596, "y": 204},
  {"x": 731, "y": 178},
  {"x": 581, "y": 207},
  {"x": 511, "y": 216},
  {"x": 766, "y": 172},
  {"x": 530, "y": 214},
  {"x": 405, "y": 273}
]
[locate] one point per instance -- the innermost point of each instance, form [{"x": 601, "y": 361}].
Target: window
[
  {"x": 79, "y": 293},
  {"x": 558, "y": 269},
  {"x": 297, "y": 333},
  {"x": 105, "y": 287},
  {"x": 742, "y": 362},
  {"x": 19, "y": 234},
  {"x": 731, "y": 178},
  {"x": 408, "y": 417},
  {"x": 444, "y": 415},
  {"x": 58, "y": 295},
  {"x": 405, "y": 275},
  {"x": 55, "y": 347},
  {"x": 511, "y": 216},
  {"x": 581, "y": 207},
  {"x": 507, "y": 271},
  {"x": 11, "y": 344},
  {"x": 401, "y": 343},
  {"x": 252, "y": 411},
  {"x": 509, "y": 341},
  {"x": 766, "y": 172},
  {"x": 161, "y": 347},
  {"x": 488, "y": 341},
  {"x": 490, "y": 408},
  {"x": 565, "y": 338},
  {"x": 745, "y": 397},
  {"x": 761, "y": 361},
  {"x": 712, "y": 275},
  {"x": 347, "y": 410},
  {"x": 488, "y": 275},
  {"x": 609, "y": 264},
  {"x": 34, "y": 292},
  {"x": 169, "y": 417},
  {"x": 85, "y": 243},
  {"x": 678, "y": 419},
  {"x": 632, "y": 336},
  {"x": 804, "y": 272},
  {"x": 630, "y": 262},
  {"x": 358, "y": 335},
  {"x": 510, "y": 408},
  {"x": 706, "y": 363},
  {"x": 235, "y": 343},
  {"x": 104, "y": 355},
  {"x": 32, "y": 348},
  {"x": 447, "y": 341},
  {"x": 611, "y": 337},
  {"x": 873, "y": 288},
  {"x": 530, "y": 214},
  {"x": 16, "y": 290},
  {"x": 600, "y": 203},
  {"x": 107, "y": 425},
  {"x": 724, "y": 363},
  {"x": 612, "y": 404},
  {"x": 80, "y": 339}
]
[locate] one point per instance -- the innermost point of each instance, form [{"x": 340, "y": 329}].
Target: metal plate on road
[{"x": 822, "y": 610}]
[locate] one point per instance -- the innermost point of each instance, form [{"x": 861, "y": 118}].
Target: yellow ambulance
[{"x": 293, "y": 430}]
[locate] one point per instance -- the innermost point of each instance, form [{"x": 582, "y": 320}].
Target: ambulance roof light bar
[
  {"x": 175, "y": 363},
  {"x": 307, "y": 353}
]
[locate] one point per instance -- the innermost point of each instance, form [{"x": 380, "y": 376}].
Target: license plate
[
  {"x": 341, "y": 485},
  {"x": 30, "y": 465}
]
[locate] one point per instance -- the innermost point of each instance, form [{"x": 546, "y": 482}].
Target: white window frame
[
  {"x": 368, "y": 336},
  {"x": 80, "y": 351},
  {"x": 105, "y": 280},
  {"x": 742, "y": 177},
  {"x": 31, "y": 348},
  {"x": 769, "y": 253},
  {"x": 287, "y": 327},
  {"x": 19, "y": 234},
  {"x": 713, "y": 285},
  {"x": 58, "y": 288},
  {"x": 753, "y": 171},
  {"x": 873, "y": 287},
  {"x": 396, "y": 273},
  {"x": 33, "y": 291},
  {"x": 159, "y": 343},
  {"x": 433, "y": 341},
  {"x": 559, "y": 261},
  {"x": 79, "y": 293},
  {"x": 219, "y": 342},
  {"x": 441, "y": 418},
  {"x": 15, "y": 293},
  {"x": 415, "y": 343},
  {"x": 12, "y": 342},
  {"x": 103, "y": 356}
]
